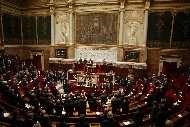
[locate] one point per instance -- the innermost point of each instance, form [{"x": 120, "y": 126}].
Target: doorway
[
  {"x": 38, "y": 59},
  {"x": 169, "y": 64}
]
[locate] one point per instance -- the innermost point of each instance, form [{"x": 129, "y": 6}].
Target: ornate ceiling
[{"x": 154, "y": 4}]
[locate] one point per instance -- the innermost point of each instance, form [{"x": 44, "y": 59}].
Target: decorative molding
[
  {"x": 97, "y": 54},
  {"x": 34, "y": 46},
  {"x": 8, "y": 4},
  {"x": 10, "y": 11},
  {"x": 95, "y": 4}
]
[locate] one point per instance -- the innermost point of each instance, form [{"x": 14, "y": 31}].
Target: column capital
[
  {"x": 71, "y": 8},
  {"x": 51, "y": 5},
  {"x": 51, "y": 1},
  {"x": 52, "y": 9},
  {"x": 122, "y": 5},
  {"x": 147, "y": 5},
  {"x": 121, "y": 10}
]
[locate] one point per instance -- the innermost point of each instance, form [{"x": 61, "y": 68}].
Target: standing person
[
  {"x": 80, "y": 61},
  {"x": 15, "y": 121},
  {"x": 85, "y": 61},
  {"x": 62, "y": 122},
  {"x": 125, "y": 105},
  {"x": 90, "y": 62},
  {"x": 69, "y": 107},
  {"x": 154, "y": 112},
  {"x": 82, "y": 122},
  {"x": 29, "y": 122},
  {"x": 138, "y": 117},
  {"x": 104, "y": 62},
  {"x": 82, "y": 107},
  {"x": 103, "y": 117},
  {"x": 145, "y": 83},
  {"x": 63, "y": 76},
  {"x": 74, "y": 68},
  {"x": 46, "y": 122},
  {"x": 161, "y": 116},
  {"x": 110, "y": 122}
]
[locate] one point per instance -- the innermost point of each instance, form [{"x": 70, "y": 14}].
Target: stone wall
[
  {"x": 153, "y": 58},
  {"x": 23, "y": 52}
]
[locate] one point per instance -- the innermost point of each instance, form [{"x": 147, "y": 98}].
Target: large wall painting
[{"x": 96, "y": 28}]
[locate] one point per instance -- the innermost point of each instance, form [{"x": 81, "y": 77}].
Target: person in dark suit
[
  {"x": 150, "y": 99},
  {"x": 103, "y": 98},
  {"x": 93, "y": 104},
  {"x": 104, "y": 62},
  {"x": 46, "y": 122},
  {"x": 74, "y": 68},
  {"x": 125, "y": 105},
  {"x": 116, "y": 103},
  {"x": 82, "y": 107},
  {"x": 29, "y": 122},
  {"x": 2, "y": 117},
  {"x": 80, "y": 60},
  {"x": 49, "y": 106},
  {"x": 145, "y": 83},
  {"x": 62, "y": 122},
  {"x": 165, "y": 83},
  {"x": 31, "y": 111},
  {"x": 161, "y": 116},
  {"x": 138, "y": 117},
  {"x": 157, "y": 95},
  {"x": 42, "y": 100},
  {"x": 77, "y": 93},
  {"x": 85, "y": 61},
  {"x": 15, "y": 121},
  {"x": 103, "y": 117},
  {"x": 110, "y": 122},
  {"x": 40, "y": 117},
  {"x": 69, "y": 107},
  {"x": 58, "y": 108},
  {"x": 88, "y": 95},
  {"x": 118, "y": 80},
  {"x": 37, "y": 125},
  {"x": 82, "y": 122},
  {"x": 154, "y": 112},
  {"x": 90, "y": 62},
  {"x": 27, "y": 89}
]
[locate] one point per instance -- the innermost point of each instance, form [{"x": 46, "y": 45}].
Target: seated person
[
  {"x": 85, "y": 68},
  {"x": 80, "y": 61},
  {"x": 90, "y": 62},
  {"x": 82, "y": 122},
  {"x": 85, "y": 61},
  {"x": 110, "y": 122},
  {"x": 104, "y": 62},
  {"x": 74, "y": 68},
  {"x": 62, "y": 122}
]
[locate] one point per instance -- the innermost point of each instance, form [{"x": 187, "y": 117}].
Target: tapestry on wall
[
  {"x": 44, "y": 29},
  {"x": 11, "y": 29},
  {"x": 96, "y": 28},
  {"x": 159, "y": 29},
  {"x": 181, "y": 32},
  {"x": 29, "y": 30}
]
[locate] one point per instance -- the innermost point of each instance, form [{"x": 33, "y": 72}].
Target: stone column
[
  {"x": 52, "y": 12},
  {"x": 121, "y": 28},
  {"x": 52, "y": 29},
  {"x": 71, "y": 24},
  {"x": 145, "y": 28},
  {"x": 122, "y": 9}
]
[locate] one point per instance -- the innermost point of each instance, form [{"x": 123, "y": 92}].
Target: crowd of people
[{"x": 23, "y": 84}]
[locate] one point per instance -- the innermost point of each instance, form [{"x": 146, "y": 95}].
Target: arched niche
[
  {"x": 62, "y": 28},
  {"x": 133, "y": 28}
]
